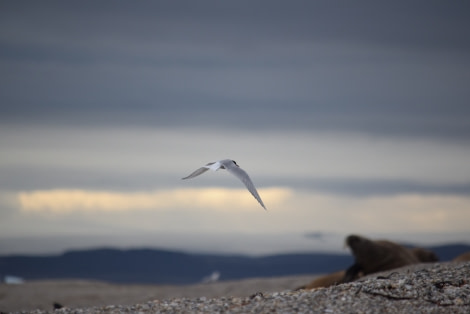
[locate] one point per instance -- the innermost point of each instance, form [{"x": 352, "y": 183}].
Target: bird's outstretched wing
[
  {"x": 211, "y": 165},
  {"x": 196, "y": 173},
  {"x": 243, "y": 176}
]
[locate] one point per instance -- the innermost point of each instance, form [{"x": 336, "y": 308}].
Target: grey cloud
[
  {"x": 371, "y": 187},
  {"x": 27, "y": 179},
  {"x": 388, "y": 68},
  {"x": 426, "y": 23}
]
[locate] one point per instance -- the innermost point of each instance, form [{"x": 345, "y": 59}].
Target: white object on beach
[{"x": 214, "y": 277}]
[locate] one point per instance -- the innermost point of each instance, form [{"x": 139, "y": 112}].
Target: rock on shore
[{"x": 436, "y": 288}]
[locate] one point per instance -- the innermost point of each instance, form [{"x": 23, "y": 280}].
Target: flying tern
[{"x": 234, "y": 169}]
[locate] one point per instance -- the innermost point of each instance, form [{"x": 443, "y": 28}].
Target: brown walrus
[
  {"x": 465, "y": 257},
  {"x": 325, "y": 280},
  {"x": 383, "y": 254},
  {"x": 424, "y": 255},
  {"x": 380, "y": 255}
]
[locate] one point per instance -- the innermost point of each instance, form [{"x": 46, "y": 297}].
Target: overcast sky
[{"x": 350, "y": 117}]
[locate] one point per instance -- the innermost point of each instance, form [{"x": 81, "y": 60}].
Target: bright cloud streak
[
  {"x": 288, "y": 210},
  {"x": 64, "y": 200}
]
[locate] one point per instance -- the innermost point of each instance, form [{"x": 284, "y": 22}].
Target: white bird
[{"x": 234, "y": 169}]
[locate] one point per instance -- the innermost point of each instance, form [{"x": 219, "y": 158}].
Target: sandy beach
[{"x": 42, "y": 294}]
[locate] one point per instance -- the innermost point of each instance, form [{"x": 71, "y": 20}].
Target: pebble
[{"x": 442, "y": 288}]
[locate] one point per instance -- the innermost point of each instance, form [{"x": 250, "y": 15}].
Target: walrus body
[
  {"x": 371, "y": 257},
  {"x": 424, "y": 255},
  {"x": 380, "y": 255},
  {"x": 465, "y": 257},
  {"x": 325, "y": 280}
]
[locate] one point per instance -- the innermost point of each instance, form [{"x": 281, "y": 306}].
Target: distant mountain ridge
[{"x": 153, "y": 266}]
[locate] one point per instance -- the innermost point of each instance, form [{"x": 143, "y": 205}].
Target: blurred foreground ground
[{"x": 79, "y": 293}]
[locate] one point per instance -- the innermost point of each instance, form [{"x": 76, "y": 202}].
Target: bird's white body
[
  {"x": 215, "y": 166},
  {"x": 232, "y": 167}
]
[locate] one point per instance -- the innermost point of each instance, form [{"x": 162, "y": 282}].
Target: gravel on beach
[{"x": 436, "y": 288}]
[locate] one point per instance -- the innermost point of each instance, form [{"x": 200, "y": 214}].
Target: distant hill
[
  {"x": 160, "y": 266},
  {"x": 170, "y": 267}
]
